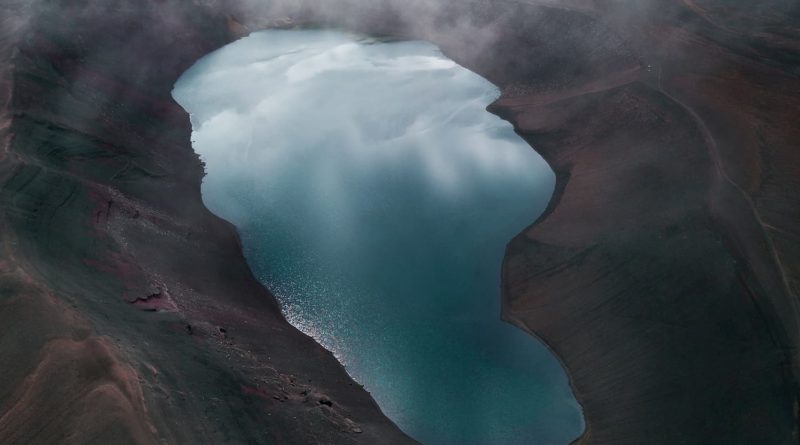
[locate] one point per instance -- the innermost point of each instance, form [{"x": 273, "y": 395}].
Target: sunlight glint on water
[{"x": 375, "y": 195}]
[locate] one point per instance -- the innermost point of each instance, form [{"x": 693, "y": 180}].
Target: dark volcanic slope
[
  {"x": 103, "y": 224},
  {"x": 664, "y": 274}
]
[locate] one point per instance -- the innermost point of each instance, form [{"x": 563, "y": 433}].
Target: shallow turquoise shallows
[{"x": 375, "y": 196}]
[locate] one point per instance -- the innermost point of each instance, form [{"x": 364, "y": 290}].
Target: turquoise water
[{"x": 374, "y": 196}]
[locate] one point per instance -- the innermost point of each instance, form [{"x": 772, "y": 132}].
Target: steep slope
[{"x": 129, "y": 314}]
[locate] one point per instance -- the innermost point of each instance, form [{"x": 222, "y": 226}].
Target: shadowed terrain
[{"x": 664, "y": 273}]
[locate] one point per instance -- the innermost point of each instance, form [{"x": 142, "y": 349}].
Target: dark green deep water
[{"x": 374, "y": 196}]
